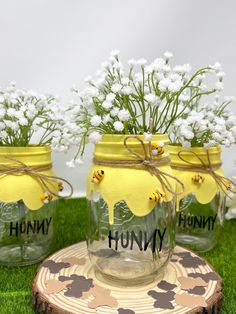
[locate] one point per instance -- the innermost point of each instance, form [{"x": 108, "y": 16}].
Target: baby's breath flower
[
  {"x": 106, "y": 104},
  {"x": 123, "y": 115},
  {"x": 110, "y": 97},
  {"x": 182, "y": 69},
  {"x": 132, "y": 62},
  {"x": 141, "y": 62},
  {"x": 168, "y": 55},
  {"x": 118, "y": 126},
  {"x": 164, "y": 84},
  {"x": 117, "y": 66},
  {"x": 186, "y": 144},
  {"x": 217, "y": 67},
  {"x": 125, "y": 80},
  {"x": 88, "y": 79},
  {"x": 94, "y": 137},
  {"x": 205, "y": 125},
  {"x": 115, "y": 53},
  {"x": 219, "y": 86},
  {"x": 124, "y": 99},
  {"x": 3, "y": 135},
  {"x": 116, "y": 88},
  {"x": 114, "y": 112},
  {"x": 147, "y": 136},
  {"x": 127, "y": 90},
  {"x": 220, "y": 75},
  {"x": 79, "y": 161},
  {"x": 105, "y": 65},
  {"x": 151, "y": 98},
  {"x": 23, "y": 121},
  {"x": 71, "y": 164},
  {"x": 25, "y": 113},
  {"x": 106, "y": 119},
  {"x": 11, "y": 112}
]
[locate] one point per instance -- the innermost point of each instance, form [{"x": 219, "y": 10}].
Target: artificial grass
[{"x": 16, "y": 282}]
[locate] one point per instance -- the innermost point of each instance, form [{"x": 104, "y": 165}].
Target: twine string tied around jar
[
  {"x": 147, "y": 162},
  {"x": 225, "y": 184},
  {"x": 36, "y": 172}
]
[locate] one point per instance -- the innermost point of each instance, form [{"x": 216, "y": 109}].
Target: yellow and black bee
[
  {"x": 157, "y": 196},
  {"x": 97, "y": 176},
  {"x": 46, "y": 197},
  {"x": 198, "y": 179},
  {"x": 60, "y": 186},
  {"x": 228, "y": 185},
  {"x": 157, "y": 148}
]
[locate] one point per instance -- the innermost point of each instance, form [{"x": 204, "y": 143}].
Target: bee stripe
[{"x": 97, "y": 176}]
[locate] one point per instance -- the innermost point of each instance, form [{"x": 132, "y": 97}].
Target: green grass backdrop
[{"x": 16, "y": 282}]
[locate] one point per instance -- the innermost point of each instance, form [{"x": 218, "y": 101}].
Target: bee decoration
[
  {"x": 60, "y": 186},
  {"x": 46, "y": 197},
  {"x": 98, "y": 175},
  {"x": 157, "y": 148},
  {"x": 198, "y": 179},
  {"x": 157, "y": 196},
  {"x": 228, "y": 185}
]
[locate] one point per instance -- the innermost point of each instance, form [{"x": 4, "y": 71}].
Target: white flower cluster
[
  {"x": 144, "y": 99},
  {"x": 206, "y": 125},
  {"x": 27, "y": 117}
]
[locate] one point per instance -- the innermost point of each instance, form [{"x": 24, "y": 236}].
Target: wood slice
[{"x": 67, "y": 284}]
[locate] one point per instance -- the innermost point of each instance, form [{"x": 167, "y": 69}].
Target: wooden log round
[{"x": 67, "y": 284}]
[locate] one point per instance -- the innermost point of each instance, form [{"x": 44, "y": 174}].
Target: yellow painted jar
[
  {"x": 200, "y": 209},
  {"x": 26, "y": 205},
  {"x": 131, "y": 216}
]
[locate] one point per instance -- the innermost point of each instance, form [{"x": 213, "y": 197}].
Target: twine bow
[
  {"x": 144, "y": 161},
  {"x": 221, "y": 181},
  {"x": 36, "y": 172}
]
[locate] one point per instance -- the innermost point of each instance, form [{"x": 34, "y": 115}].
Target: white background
[{"x": 49, "y": 45}]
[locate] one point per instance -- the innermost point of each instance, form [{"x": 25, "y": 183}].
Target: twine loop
[
  {"x": 147, "y": 162},
  {"x": 36, "y": 172},
  {"x": 225, "y": 184}
]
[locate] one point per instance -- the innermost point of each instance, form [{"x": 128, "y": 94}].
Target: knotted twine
[
  {"x": 35, "y": 172},
  {"x": 145, "y": 162},
  {"x": 221, "y": 181}
]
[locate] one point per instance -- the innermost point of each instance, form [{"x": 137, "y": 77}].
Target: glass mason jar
[
  {"x": 131, "y": 218},
  {"x": 200, "y": 209},
  {"x": 26, "y": 207}
]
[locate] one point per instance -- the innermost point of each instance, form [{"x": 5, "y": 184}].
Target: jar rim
[
  {"x": 200, "y": 150},
  {"x": 117, "y": 137},
  {"x": 25, "y": 150}
]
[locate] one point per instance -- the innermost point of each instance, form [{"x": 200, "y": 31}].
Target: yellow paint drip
[
  {"x": 131, "y": 185},
  {"x": 15, "y": 187},
  {"x": 205, "y": 191}
]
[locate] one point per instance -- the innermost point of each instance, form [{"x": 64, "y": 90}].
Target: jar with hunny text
[
  {"x": 131, "y": 198},
  {"x": 200, "y": 208},
  {"x": 28, "y": 197}
]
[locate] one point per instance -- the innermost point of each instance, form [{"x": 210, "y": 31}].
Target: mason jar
[
  {"x": 131, "y": 231},
  {"x": 200, "y": 208},
  {"x": 27, "y": 208}
]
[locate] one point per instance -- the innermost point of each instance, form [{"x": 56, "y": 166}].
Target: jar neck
[
  {"x": 30, "y": 155},
  {"x": 112, "y": 147},
  {"x": 189, "y": 155}
]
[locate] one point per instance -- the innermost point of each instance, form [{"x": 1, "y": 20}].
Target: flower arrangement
[
  {"x": 29, "y": 118},
  {"x": 205, "y": 124},
  {"x": 140, "y": 98}
]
